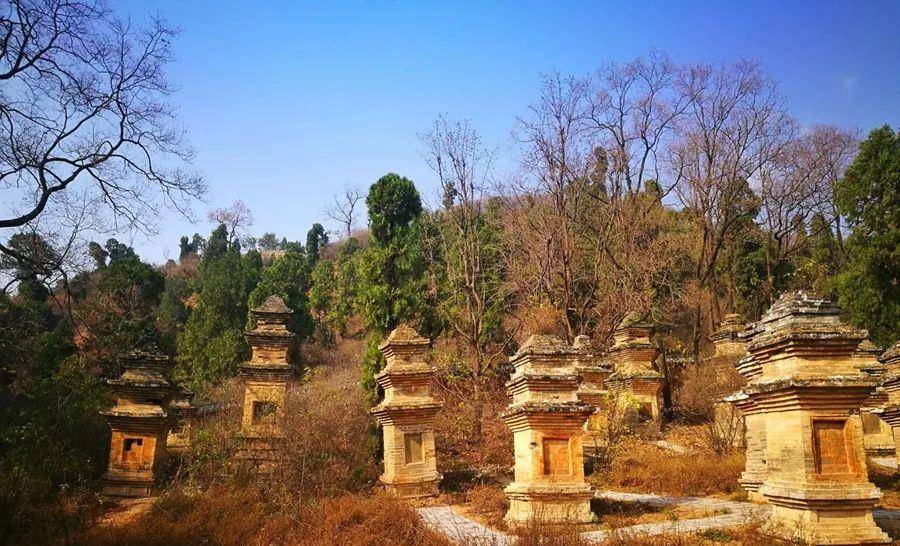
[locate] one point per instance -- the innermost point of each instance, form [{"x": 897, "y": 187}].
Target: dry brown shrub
[
  {"x": 328, "y": 445},
  {"x": 487, "y": 504},
  {"x": 548, "y": 535},
  {"x": 469, "y": 444},
  {"x": 695, "y": 394},
  {"x": 209, "y": 457},
  {"x": 649, "y": 469},
  {"x": 540, "y": 319}
]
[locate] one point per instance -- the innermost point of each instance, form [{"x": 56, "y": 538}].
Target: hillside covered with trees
[{"x": 679, "y": 192}]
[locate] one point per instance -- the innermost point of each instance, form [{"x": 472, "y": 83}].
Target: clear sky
[{"x": 287, "y": 102}]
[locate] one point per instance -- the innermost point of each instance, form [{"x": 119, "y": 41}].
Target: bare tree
[
  {"x": 585, "y": 216},
  {"x": 835, "y": 149},
  {"x": 736, "y": 127},
  {"x": 550, "y": 200},
  {"x": 83, "y": 110},
  {"x": 468, "y": 239},
  {"x": 344, "y": 208},
  {"x": 798, "y": 183},
  {"x": 634, "y": 108},
  {"x": 236, "y": 218}
]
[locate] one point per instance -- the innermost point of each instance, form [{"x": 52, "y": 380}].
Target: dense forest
[{"x": 679, "y": 192}]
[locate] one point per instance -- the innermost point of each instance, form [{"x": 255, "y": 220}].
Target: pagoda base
[
  {"x": 751, "y": 485},
  {"x": 260, "y": 453},
  {"x": 129, "y": 487},
  {"x": 549, "y": 504},
  {"x": 846, "y": 518},
  {"x": 422, "y": 488}
]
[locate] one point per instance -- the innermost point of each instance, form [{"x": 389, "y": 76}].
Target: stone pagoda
[
  {"x": 266, "y": 378},
  {"x": 593, "y": 370},
  {"x": 754, "y": 422},
  {"x": 878, "y": 438},
  {"x": 183, "y": 411},
  {"x": 406, "y": 415},
  {"x": 809, "y": 394},
  {"x": 547, "y": 422},
  {"x": 139, "y": 424},
  {"x": 891, "y": 385},
  {"x": 729, "y": 349},
  {"x": 634, "y": 372}
]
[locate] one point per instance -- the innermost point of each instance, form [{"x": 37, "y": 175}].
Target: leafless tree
[
  {"x": 549, "y": 201},
  {"x": 835, "y": 150},
  {"x": 236, "y": 218},
  {"x": 344, "y": 209},
  {"x": 736, "y": 126},
  {"x": 634, "y": 108},
  {"x": 470, "y": 255},
  {"x": 798, "y": 183},
  {"x": 83, "y": 110}
]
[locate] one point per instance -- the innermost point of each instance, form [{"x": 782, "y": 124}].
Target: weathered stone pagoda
[
  {"x": 891, "y": 385},
  {"x": 266, "y": 378},
  {"x": 406, "y": 415},
  {"x": 139, "y": 423},
  {"x": 547, "y": 420},
  {"x": 183, "y": 411},
  {"x": 593, "y": 370},
  {"x": 878, "y": 438},
  {"x": 729, "y": 349},
  {"x": 754, "y": 422},
  {"x": 634, "y": 372},
  {"x": 809, "y": 394}
]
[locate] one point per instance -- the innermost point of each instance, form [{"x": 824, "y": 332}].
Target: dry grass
[
  {"x": 888, "y": 480},
  {"x": 743, "y": 536},
  {"x": 645, "y": 468},
  {"x": 615, "y": 515},
  {"x": 246, "y": 516},
  {"x": 485, "y": 504}
]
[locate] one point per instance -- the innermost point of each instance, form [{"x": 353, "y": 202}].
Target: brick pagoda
[
  {"x": 878, "y": 438},
  {"x": 593, "y": 370},
  {"x": 183, "y": 411},
  {"x": 139, "y": 425},
  {"x": 754, "y": 422},
  {"x": 547, "y": 420},
  {"x": 266, "y": 378},
  {"x": 407, "y": 416},
  {"x": 634, "y": 371},
  {"x": 809, "y": 393},
  {"x": 891, "y": 385}
]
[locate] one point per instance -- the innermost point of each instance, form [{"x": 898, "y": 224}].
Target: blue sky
[{"x": 286, "y": 102}]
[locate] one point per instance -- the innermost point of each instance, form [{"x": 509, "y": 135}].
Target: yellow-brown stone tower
[
  {"x": 593, "y": 370},
  {"x": 891, "y": 385},
  {"x": 634, "y": 371},
  {"x": 139, "y": 425},
  {"x": 878, "y": 437},
  {"x": 266, "y": 378},
  {"x": 809, "y": 393},
  {"x": 547, "y": 420},
  {"x": 407, "y": 416}
]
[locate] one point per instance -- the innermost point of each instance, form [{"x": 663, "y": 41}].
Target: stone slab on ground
[
  {"x": 461, "y": 529},
  {"x": 467, "y": 532},
  {"x": 888, "y": 462},
  {"x": 737, "y": 513},
  {"x": 663, "y": 444}
]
